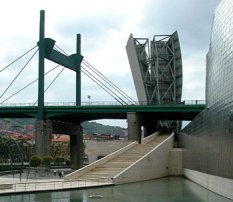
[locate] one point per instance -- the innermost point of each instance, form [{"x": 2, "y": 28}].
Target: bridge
[
  {"x": 161, "y": 98},
  {"x": 70, "y": 113}
]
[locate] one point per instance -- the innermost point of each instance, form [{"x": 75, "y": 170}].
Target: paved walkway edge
[{"x": 46, "y": 186}]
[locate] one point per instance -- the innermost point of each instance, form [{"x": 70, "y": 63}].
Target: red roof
[
  {"x": 22, "y": 137},
  {"x": 62, "y": 138}
]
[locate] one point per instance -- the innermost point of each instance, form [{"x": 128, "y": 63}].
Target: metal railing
[
  {"x": 54, "y": 185},
  {"x": 194, "y": 102},
  {"x": 98, "y": 103}
]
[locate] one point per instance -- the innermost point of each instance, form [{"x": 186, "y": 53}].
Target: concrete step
[{"x": 116, "y": 165}]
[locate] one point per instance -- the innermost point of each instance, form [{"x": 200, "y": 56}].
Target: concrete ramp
[{"x": 135, "y": 162}]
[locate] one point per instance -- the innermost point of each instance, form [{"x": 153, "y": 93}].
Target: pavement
[
  {"x": 44, "y": 181},
  {"x": 32, "y": 176}
]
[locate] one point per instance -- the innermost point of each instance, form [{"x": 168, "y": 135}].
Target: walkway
[
  {"x": 153, "y": 151},
  {"x": 8, "y": 184},
  {"x": 100, "y": 173}
]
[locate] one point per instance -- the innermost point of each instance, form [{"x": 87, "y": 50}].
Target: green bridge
[
  {"x": 65, "y": 118},
  {"x": 77, "y": 114}
]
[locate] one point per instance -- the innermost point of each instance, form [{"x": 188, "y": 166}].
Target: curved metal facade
[
  {"x": 208, "y": 140},
  {"x": 156, "y": 67}
]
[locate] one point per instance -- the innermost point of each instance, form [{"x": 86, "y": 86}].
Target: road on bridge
[{"x": 77, "y": 114}]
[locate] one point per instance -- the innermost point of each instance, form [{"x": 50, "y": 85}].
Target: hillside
[
  {"x": 93, "y": 127},
  {"x": 88, "y": 127}
]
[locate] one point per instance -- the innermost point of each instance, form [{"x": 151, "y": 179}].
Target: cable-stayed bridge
[{"x": 66, "y": 117}]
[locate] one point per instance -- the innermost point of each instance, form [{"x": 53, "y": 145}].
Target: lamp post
[{"x": 89, "y": 97}]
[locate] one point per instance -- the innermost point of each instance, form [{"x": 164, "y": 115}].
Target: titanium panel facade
[
  {"x": 156, "y": 67},
  {"x": 208, "y": 139}
]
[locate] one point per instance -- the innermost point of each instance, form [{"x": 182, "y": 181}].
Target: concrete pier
[
  {"x": 44, "y": 129},
  {"x": 76, "y": 148},
  {"x": 134, "y": 121}
]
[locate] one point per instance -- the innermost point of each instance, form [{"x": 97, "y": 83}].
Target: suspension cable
[
  {"x": 55, "y": 78},
  {"x": 18, "y": 59},
  {"x": 102, "y": 85},
  {"x": 19, "y": 73},
  {"x": 87, "y": 74},
  {"x": 58, "y": 48},
  {"x": 122, "y": 93},
  {"x": 28, "y": 85},
  {"x": 101, "y": 76}
]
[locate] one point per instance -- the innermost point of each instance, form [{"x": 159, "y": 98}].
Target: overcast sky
[{"x": 105, "y": 27}]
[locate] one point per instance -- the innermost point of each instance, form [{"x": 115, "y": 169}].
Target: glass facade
[{"x": 208, "y": 139}]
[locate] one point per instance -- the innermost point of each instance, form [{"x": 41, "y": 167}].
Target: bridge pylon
[{"x": 44, "y": 128}]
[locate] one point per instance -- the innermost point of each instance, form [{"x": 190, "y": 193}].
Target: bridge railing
[
  {"x": 97, "y": 103},
  {"x": 194, "y": 102},
  {"x": 17, "y": 104}
]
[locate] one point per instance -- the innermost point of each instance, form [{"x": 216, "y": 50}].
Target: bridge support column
[
  {"x": 43, "y": 137},
  {"x": 76, "y": 141},
  {"x": 76, "y": 148},
  {"x": 134, "y": 126},
  {"x": 150, "y": 126}
]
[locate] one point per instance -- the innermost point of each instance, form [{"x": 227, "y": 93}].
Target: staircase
[{"x": 119, "y": 163}]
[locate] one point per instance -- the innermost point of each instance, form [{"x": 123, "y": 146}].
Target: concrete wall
[
  {"x": 219, "y": 185},
  {"x": 102, "y": 148},
  {"x": 151, "y": 166},
  {"x": 175, "y": 167}
]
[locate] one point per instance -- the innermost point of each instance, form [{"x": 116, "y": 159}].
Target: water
[{"x": 161, "y": 190}]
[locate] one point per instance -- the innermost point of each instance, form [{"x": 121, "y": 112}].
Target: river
[{"x": 170, "y": 189}]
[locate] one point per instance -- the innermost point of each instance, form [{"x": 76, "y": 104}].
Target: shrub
[
  {"x": 68, "y": 162},
  {"x": 35, "y": 161},
  {"x": 46, "y": 160},
  {"x": 59, "y": 160}
]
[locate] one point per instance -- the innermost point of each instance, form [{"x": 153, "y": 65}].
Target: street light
[{"x": 89, "y": 97}]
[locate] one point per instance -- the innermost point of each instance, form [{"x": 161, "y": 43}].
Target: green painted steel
[
  {"x": 77, "y": 114},
  {"x": 78, "y": 72},
  {"x": 72, "y": 62},
  {"x": 41, "y": 43}
]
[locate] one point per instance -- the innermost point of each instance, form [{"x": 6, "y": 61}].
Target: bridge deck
[{"x": 76, "y": 114}]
